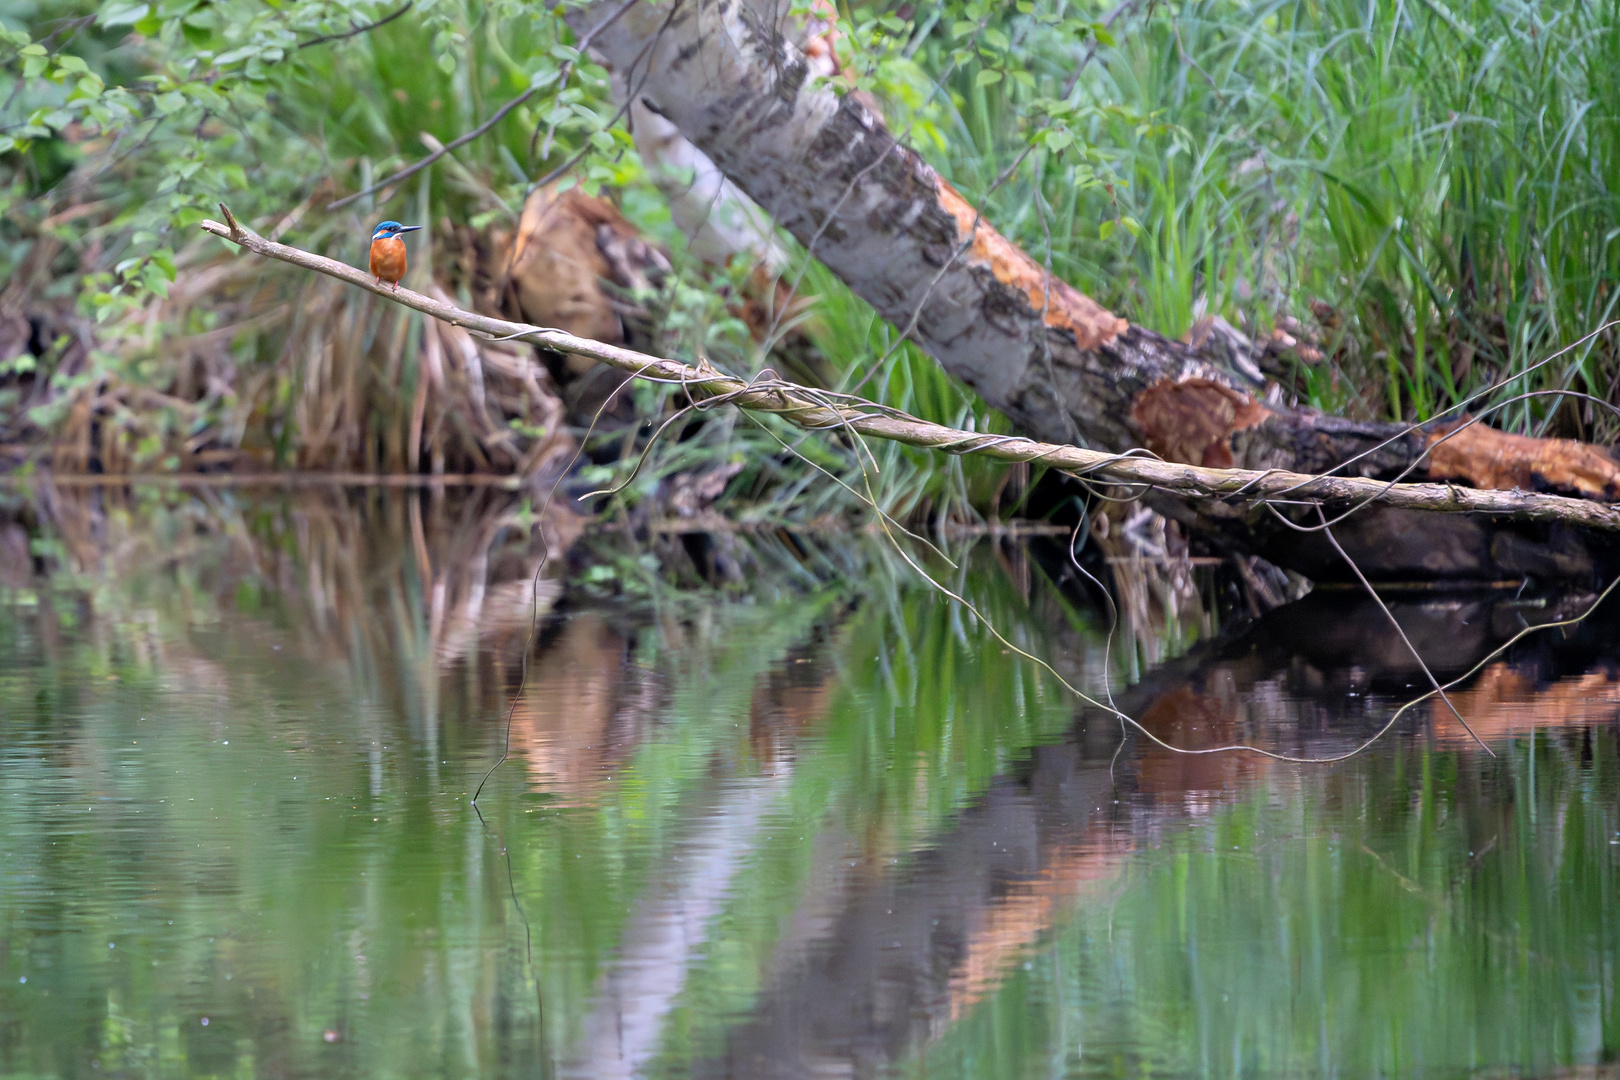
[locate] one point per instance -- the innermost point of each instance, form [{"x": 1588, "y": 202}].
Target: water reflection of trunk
[
  {"x": 1507, "y": 702},
  {"x": 668, "y": 929},
  {"x": 917, "y": 944},
  {"x": 588, "y": 705},
  {"x": 667, "y": 932},
  {"x": 480, "y": 587}
]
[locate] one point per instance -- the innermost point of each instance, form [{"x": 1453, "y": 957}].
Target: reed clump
[
  {"x": 250, "y": 369},
  {"x": 1405, "y": 203}
]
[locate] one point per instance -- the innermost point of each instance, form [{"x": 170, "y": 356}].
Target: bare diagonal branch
[{"x": 814, "y": 410}]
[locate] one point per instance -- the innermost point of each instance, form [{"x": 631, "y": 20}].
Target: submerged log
[{"x": 728, "y": 75}]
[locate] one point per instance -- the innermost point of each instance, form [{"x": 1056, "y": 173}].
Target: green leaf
[
  {"x": 198, "y": 36},
  {"x": 125, "y": 14},
  {"x": 6, "y": 143},
  {"x": 987, "y": 77},
  {"x": 963, "y": 28},
  {"x": 996, "y": 39},
  {"x": 235, "y": 56},
  {"x": 34, "y": 65},
  {"x": 1057, "y": 139},
  {"x": 602, "y": 140},
  {"x": 447, "y": 63},
  {"x": 155, "y": 280},
  {"x": 69, "y": 63},
  {"x": 175, "y": 9},
  {"x": 1105, "y": 230},
  {"x": 90, "y": 85},
  {"x": 149, "y": 26}
]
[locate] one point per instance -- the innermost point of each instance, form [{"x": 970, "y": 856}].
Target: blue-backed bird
[{"x": 388, "y": 251}]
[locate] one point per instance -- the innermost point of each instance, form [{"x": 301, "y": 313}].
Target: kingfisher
[{"x": 388, "y": 252}]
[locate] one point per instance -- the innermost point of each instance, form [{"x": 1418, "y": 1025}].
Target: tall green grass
[{"x": 1443, "y": 176}]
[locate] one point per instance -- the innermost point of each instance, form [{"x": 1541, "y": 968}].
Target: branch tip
[{"x": 230, "y": 220}]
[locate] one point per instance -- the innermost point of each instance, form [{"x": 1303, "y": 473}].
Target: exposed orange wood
[
  {"x": 1067, "y": 308},
  {"x": 1488, "y": 458}
]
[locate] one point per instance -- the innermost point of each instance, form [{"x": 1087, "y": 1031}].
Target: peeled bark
[{"x": 1061, "y": 366}]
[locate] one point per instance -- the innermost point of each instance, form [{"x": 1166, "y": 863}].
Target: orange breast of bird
[{"x": 388, "y": 259}]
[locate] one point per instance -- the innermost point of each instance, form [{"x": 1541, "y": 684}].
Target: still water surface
[{"x": 827, "y": 828}]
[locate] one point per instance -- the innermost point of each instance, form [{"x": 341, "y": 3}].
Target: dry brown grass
[{"x": 248, "y": 367}]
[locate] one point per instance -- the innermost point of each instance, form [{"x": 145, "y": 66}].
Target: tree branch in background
[
  {"x": 817, "y": 410},
  {"x": 358, "y": 30},
  {"x": 463, "y": 140},
  {"x": 481, "y": 129}
]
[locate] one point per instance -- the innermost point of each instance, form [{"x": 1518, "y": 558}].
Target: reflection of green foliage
[
  {"x": 1459, "y": 917},
  {"x": 281, "y": 839}
]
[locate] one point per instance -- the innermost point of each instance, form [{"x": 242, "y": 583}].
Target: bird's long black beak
[{"x": 409, "y": 228}]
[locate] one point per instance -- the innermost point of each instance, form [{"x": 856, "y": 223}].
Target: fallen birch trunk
[
  {"x": 816, "y": 410},
  {"x": 729, "y": 77}
]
